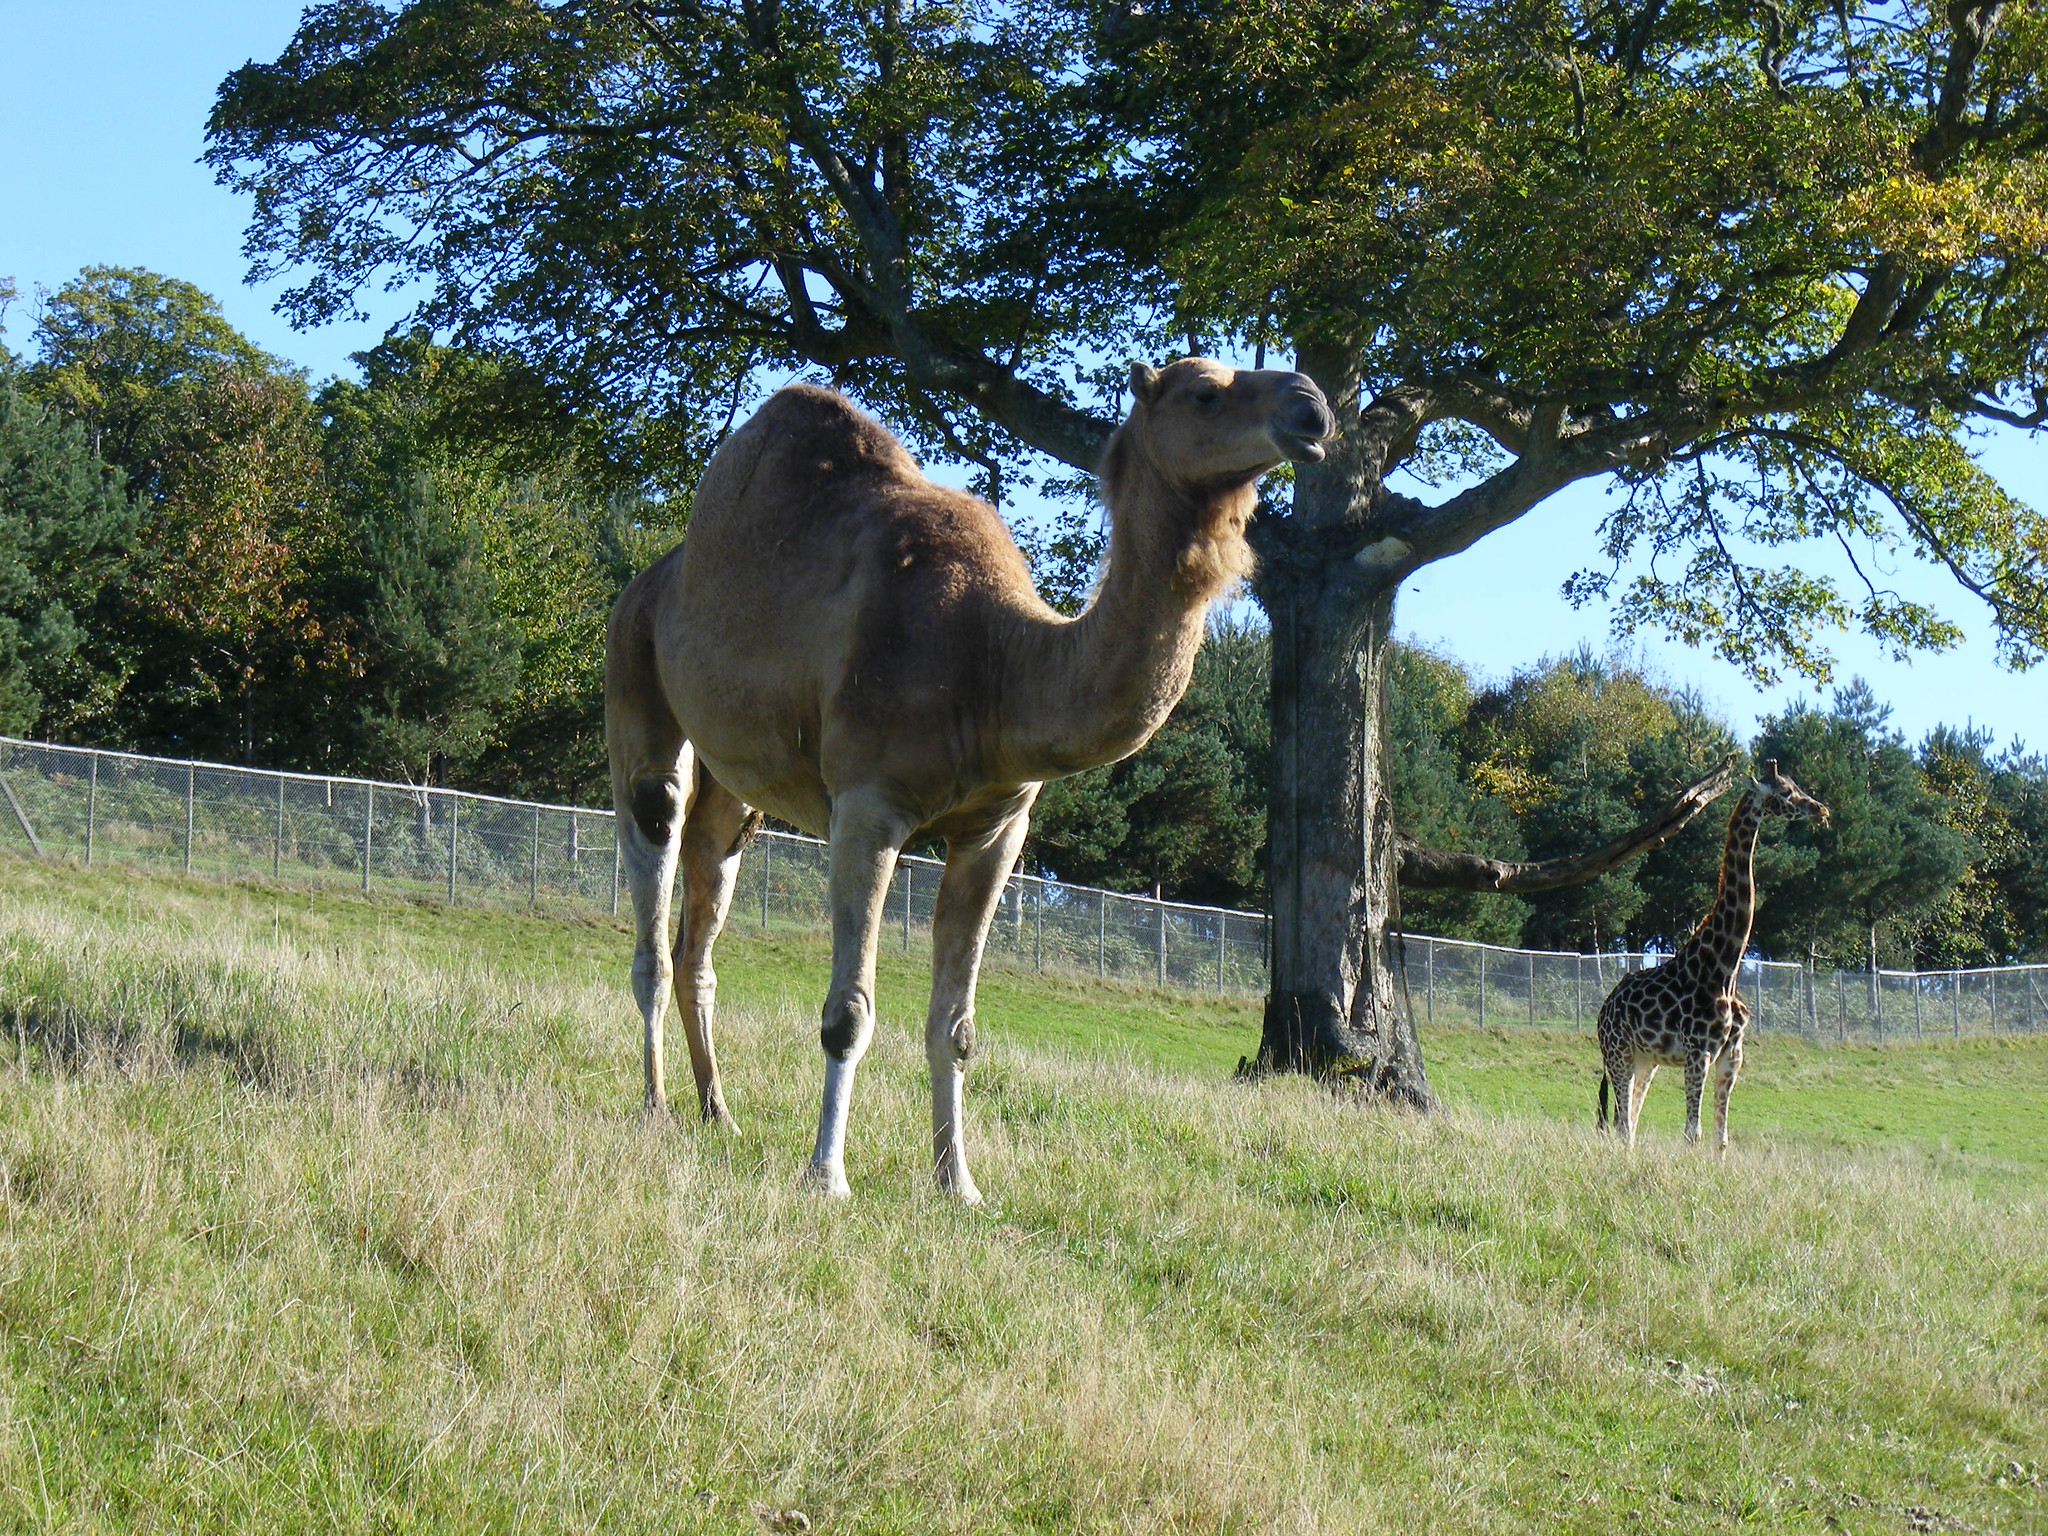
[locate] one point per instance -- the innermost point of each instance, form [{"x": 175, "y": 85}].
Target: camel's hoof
[
  {"x": 718, "y": 1118},
  {"x": 829, "y": 1183},
  {"x": 655, "y": 1109},
  {"x": 962, "y": 1190}
]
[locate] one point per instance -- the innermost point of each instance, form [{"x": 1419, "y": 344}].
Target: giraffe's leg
[
  {"x": 713, "y": 836},
  {"x": 1724, "y": 1083},
  {"x": 1616, "y": 1065},
  {"x": 1695, "y": 1085},
  {"x": 1640, "y": 1072},
  {"x": 651, "y": 765},
  {"x": 973, "y": 884},
  {"x": 867, "y": 833}
]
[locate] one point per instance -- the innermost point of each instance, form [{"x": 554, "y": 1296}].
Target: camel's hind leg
[
  {"x": 652, "y": 769},
  {"x": 714, "y": 833},
  {"x": 867, "y": 834},
  {"x": 968, "y": 893}
]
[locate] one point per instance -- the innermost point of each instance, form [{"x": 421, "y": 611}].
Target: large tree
[{"x": 1763, "y": 268}]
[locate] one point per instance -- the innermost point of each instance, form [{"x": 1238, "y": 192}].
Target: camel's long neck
[
  {"x": 1093, "y": 690},
  {"x": 1717, "y": 945}
]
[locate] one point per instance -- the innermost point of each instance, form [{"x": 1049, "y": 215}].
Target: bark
[{"x": 1333, "y": 1009}]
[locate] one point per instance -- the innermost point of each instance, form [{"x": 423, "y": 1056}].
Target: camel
[{"x": 843, "y": 644}]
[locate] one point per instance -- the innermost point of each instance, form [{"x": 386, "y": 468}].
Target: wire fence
[{"x": 216, "y": 821}]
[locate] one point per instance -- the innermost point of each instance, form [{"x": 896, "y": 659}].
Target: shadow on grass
[{"x": 65, "y": 1041}]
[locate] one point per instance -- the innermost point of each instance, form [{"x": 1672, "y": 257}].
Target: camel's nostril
[{"x": 1307, "y": 416}]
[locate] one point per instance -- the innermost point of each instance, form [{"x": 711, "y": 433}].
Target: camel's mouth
[{"x": 1299, "y": 447}]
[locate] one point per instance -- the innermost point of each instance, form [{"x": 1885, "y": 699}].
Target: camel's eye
[{"x": 1205, "y": 396}]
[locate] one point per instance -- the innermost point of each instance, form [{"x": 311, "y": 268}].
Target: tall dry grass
[{"x": 298, "y": 1239}]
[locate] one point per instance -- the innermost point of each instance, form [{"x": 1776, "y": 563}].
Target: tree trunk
[{"x": 1334, "y": 1006}]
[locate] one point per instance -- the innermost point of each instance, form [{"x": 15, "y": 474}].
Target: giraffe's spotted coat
[{"x": 1685, "y": 1013}]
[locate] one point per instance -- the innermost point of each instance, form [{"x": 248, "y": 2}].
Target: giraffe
[{"x": 1685, "y": 1012}]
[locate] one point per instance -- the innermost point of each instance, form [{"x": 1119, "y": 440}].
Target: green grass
[{"x": 322, "y": 1215}]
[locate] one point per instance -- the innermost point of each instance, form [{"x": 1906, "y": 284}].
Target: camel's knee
[
  {"x": 848, "y": 1022},
  {"x": 949, "y": 1044},
  {"x": 651, "y": 972},
  {"x": 657, "y": 804}
]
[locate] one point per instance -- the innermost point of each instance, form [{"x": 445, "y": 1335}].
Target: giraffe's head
[{"x": 1777, "y": 795}]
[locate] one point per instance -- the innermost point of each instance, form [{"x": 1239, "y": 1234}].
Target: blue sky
[{"x": 102, "y": 103}]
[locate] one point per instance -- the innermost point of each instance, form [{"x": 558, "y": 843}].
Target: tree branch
[{"x": 1440, "y": 870}]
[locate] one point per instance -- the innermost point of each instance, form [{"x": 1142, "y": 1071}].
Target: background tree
[
  {"x": 1888, "y": 857},
  {"x": 1760, "y": 269},
  {"x": 1430, "y": 699},
  {"x": 1186, "y": 813},
  {"x": 557, "y": 531},
  {"x": 65, "y": 531},
  {"x": 216, "y": 439},
  {"x": 432, "y": 661}
]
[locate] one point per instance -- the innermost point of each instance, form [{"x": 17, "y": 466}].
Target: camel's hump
[{"x": 805, "y": 422}]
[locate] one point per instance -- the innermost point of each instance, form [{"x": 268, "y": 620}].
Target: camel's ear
[{"x": 1144, "y": 383}]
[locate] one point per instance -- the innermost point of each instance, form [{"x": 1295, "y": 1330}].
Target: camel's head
[
  {"x": 1211, "y": 422},
  {"x": 1781, "y": 797}
]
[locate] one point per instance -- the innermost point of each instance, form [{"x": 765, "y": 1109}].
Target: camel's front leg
[
  {"x": 968, "y": 894},
  {"x": 866, "y": 835}
]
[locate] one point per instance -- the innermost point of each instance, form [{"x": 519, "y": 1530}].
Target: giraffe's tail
[{"x": 1600, "y": 1123}]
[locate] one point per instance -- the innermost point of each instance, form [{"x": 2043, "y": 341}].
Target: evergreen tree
[
  {"x": 1429, "y": 701},
  {"x": 1185, "y": 813},
  {"x": 66, "y": 526},
  {"x": 432, "y": 665},
  {"x": 2019, "y": 868},
  {"x": 1886, "y": 859}
]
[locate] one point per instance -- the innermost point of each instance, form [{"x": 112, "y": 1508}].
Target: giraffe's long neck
[{"x": 1716, "y": 946}]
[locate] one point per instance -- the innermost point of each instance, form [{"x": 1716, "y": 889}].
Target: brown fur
[{"x": 846, "y": 645}]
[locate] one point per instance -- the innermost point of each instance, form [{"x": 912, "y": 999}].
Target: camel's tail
[{"x": 1601, "y": 1122}]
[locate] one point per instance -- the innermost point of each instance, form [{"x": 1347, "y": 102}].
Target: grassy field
[{"x": 322, "y": 1215}]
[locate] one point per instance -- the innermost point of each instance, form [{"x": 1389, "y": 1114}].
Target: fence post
[
  {"x": 1102, "y": 933},
  {"x": 369, "y": 812},
  {"x": 533, "y": 872},
  {"x": 1918, "y": 1035},
  {"x": 1991, "y": 990},
  {"x": 1759, "y": 994},
  {"x": 1482, "y": 986},
  {"x": 1222, "y": 937},
  {"x": 190, "y": 773},
  {"x": 277, "y": 834},
  {"x": 1038, "y": 927},
  {"x": 767, "y": 864},
  {"x": 92, "y": 796},
  {"x": 906, "y": 908},
  {"x": 1429, "y": 980},
  {"x": 1532, "y": 985},
  {"x": 1578, "y": 991},
  {"x": 455, "y": 831},
  {"x": 1955, "y": 1003},
  {"x": 618, "y": 857},
  {"x": 1159, "y": 911}
]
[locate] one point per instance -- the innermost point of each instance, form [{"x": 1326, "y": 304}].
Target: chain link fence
[
  {"x": 1483, "y": 986},
  {"x": 477, "y": 850}
]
